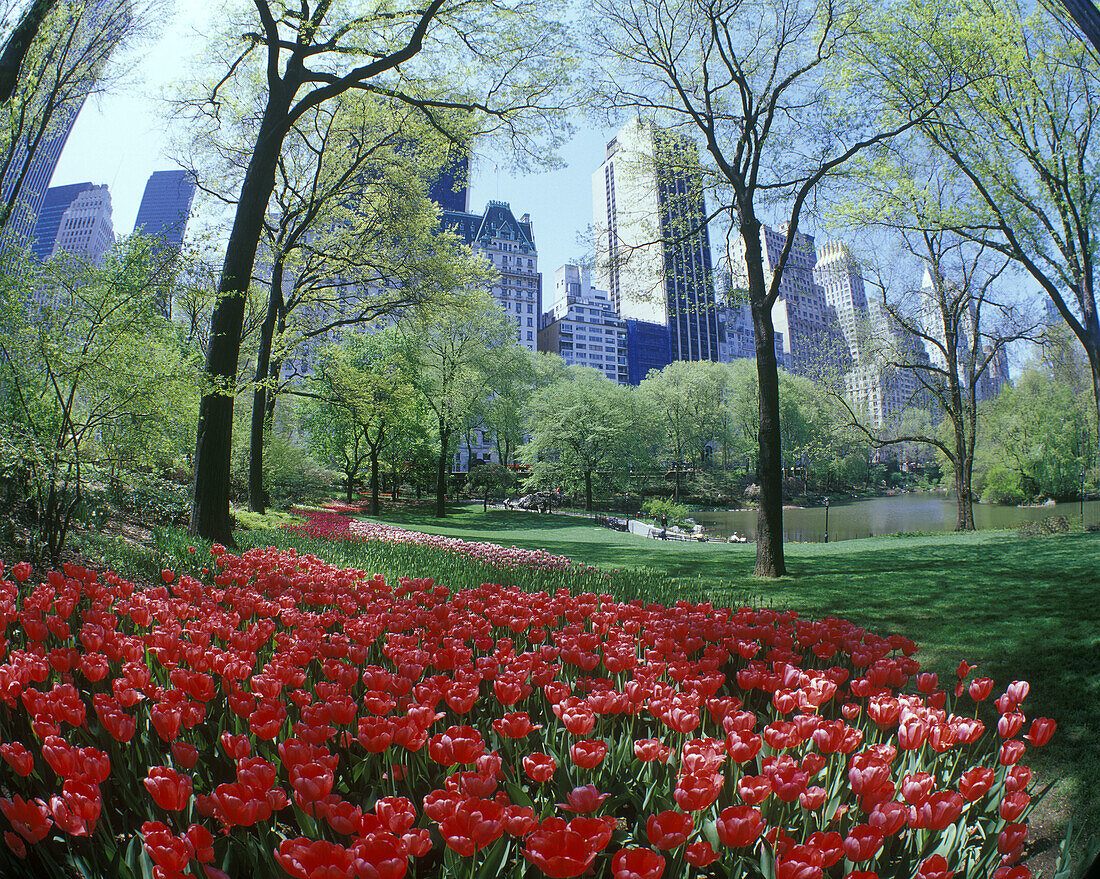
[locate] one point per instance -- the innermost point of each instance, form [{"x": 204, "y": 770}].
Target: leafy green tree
[
  {"x": 358, "y": 397},
  {"x": 580, "y": 424},
  {"x": 89, "y": 369},
  {"x": 510, "y": 381},
  {"x": 54, "y": 55},
  {"x": 449, "y": 348},
  {"x": 687, "y": 399},
  {"x": 502, "y": 62},
  {"x": 1037, "y": 439}
]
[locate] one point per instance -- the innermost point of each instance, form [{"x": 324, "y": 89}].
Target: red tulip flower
[
  {"x": 637, "y": 863},
  {"x": 29, "y": 818},
  {"x": 539, "y": 767},
  {"x": 583, "y": 800},
  {"x": 739, "y": 826},
  {"x": 862, "y": 843},
  {"x": 700, "y": 854},
  {"x": 696, "y": 792},
  {"x": 1042, "y": 728},
  {"x": 669, "y": 829},
  {"x": 314, "y": 859},
  {"x": 169, "y": 790},
  {"x": 976, "y": 782},
  {"x": 559, "y": 852},
  {"x": 588, "y": 754}
]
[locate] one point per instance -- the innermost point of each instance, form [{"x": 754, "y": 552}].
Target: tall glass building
[
  {"x": 652, "y": 246},
  {"x": 58, "y": 200},
  {"x": 166, "y": 207}
]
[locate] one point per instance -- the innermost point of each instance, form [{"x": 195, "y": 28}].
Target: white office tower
[
  {"x": 582, "y": 326},
  {"x": 86, "y": 230},
  {"x": 874, "y": 386},
  {"x": 652, "y": 246}
]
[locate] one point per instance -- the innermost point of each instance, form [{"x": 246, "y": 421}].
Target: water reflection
[{"x": 922, "y": 511}]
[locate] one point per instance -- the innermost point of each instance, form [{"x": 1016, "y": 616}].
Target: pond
[{"x": 919, "y": 511}]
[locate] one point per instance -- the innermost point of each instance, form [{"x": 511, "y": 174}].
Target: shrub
[{"x": 283, "y": 714}]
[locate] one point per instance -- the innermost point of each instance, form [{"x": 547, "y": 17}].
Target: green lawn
[{"x": 1025, "y": 609}]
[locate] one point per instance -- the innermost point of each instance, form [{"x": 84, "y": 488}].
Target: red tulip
[
  {"x": 700, "y": 854},
  {"x": 29, "y": 818},
  {"x": 862, "y": 843},
  {"x": 637, "y": 863},
  {"x": 976, "y": 782},
  {"x": 583, "y": 800},
  {"x": 169, "y": 790},
  {"x": 1042, "y": 728},
  {"x": 739, "y": 826},
  {"x": 669, "y": 829},
  {"x": 588, "y": 754},
  {"x": 559, "y": 852},
  {"x": 539, "y": 767}
]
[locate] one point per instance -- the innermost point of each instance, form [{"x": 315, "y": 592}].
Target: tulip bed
[{"x": 281, "y": 716}]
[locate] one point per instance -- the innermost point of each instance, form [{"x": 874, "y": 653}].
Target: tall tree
[
  {"x": 687, "y": 398},
  {"x": 361, "y": 395},
  {"x": 310, "y": 55},
  {"x": 1022, "y": 137},
  {"x": 759, "y": 82},
  {"x": 449, "y": 348},
  {"x": 54, "y": 56},
  {"x": 581, "y": 424}
]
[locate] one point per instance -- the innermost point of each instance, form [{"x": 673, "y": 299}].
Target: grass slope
[{"x": 1020, "y": 609}]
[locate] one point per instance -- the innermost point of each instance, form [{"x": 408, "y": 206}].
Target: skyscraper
[
  {"x": 57, "y": 201},
  {"x": 652, "y": 246},
  {"x": 88, "y": 35},
  {"x": 85, "y": 229},
  {"x": 582, "y": 326},
  {"x": 812, "y": 338},
  {"x": 873, "y": 386},
  {"x": 166, "y": 207}
]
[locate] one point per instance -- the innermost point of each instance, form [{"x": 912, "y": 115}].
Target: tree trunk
[
  {"x": 19, "y": 43},
  {"x": 257, "y": 497},
  {"x": 588, "y": 490},
  {"x": 441, "y": 474},
  {"x": 210, "y": 517},
  {"x": 769, "y": 465},
  {"x": 375, "y": 506}
]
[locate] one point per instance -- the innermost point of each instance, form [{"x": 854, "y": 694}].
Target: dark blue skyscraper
[
  {"x": 166, "y": 207},
  {"x": 57, "y": 201},
  {"x": 450, "y": 190}
]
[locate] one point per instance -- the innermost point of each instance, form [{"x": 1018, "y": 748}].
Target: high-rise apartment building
[
  {"x": 166, "y": 207},
  {"x": 652, "y": 246},
  {"x": 509, "y": 244},
  {"x": 813, "y": 342},
  {"x": 582, "y": 326},
  {"x": 86, "y": 230},
  {"x": 94, "y": 30},
  {"x": 57, "y": 201},
  {"x": 874, "y": 385}
]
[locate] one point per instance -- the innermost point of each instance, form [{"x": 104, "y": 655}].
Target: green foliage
[
  {"x": 90, "y": 370},
  {"x": 658, "y": 508},
  {"x": 581, "y": 424},
  {"x": 1037, "y": 439}
]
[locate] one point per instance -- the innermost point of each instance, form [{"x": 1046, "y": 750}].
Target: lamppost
[
  {"x": 1082, "y": 477},
  {"x": 826, "y": 520}
]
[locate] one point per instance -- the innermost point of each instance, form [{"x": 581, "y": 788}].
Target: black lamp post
[
  {"x": 1082, "y": 475},
  {"x": 826, "y": 520}
]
